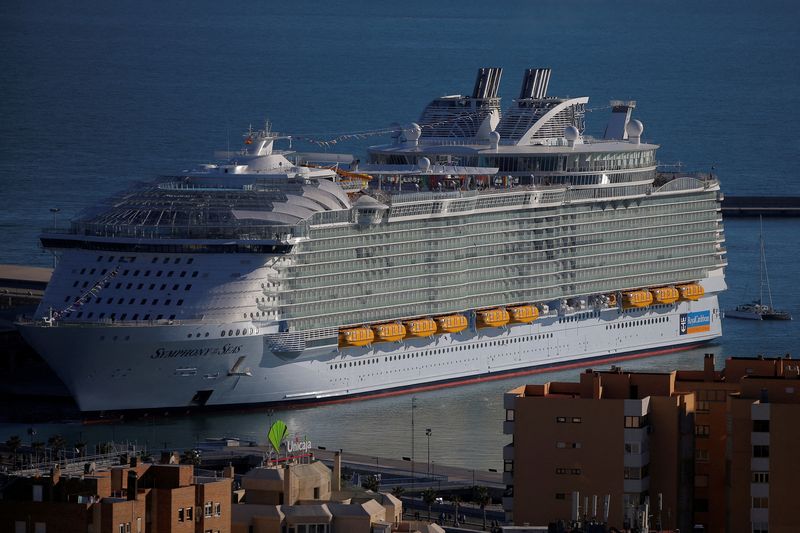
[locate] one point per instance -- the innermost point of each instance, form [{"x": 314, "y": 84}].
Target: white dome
[
  {"x": 571, "y": 133},
  {"x": 424, "y": 164},
  {"x": 413, "y": 132},
  {"x": 634, "y": 128}
]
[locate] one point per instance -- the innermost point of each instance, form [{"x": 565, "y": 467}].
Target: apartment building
[
  {"x": 131, "y": 498},
  {"x": 677, "y": 449}
]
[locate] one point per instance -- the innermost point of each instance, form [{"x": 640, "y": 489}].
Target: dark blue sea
[{"x": 97, "y": 95}]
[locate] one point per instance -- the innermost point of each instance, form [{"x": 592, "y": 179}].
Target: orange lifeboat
[
  {"x": 389, "y": 332},
  {"x": 665, "y": 295},
  {"x": 423, "y": 327},
  {"x": 493, "y": 318},
  {"x": 637, "y": 299},
  {"x": 612, "y": 300},
  {"x": 523, "y": 314},
  {"x": 451, "y": 323},
  {"x": 356, "y": 336},
  {"x": 691, "y": 291}
]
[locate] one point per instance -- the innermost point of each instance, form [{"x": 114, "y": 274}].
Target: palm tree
[
  {"x": 57, "y": 443},
  {"x": 480, "y": 495},
  {"x": 37, "y": 446},
  {"x": 398, "y": 491},
  {"x": 14, "y": 443},
  {"x": 80, "y": 447},
  {"x": 429, "y": 497},
  {"x": 456, "y": 499}
]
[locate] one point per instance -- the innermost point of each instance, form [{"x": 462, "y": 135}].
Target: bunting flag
[
  {"x": 89, "y": 294},
  {"x": 331, "y": 139}
]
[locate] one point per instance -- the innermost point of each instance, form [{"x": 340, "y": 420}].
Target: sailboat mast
[{"x": 764, "y": 263}]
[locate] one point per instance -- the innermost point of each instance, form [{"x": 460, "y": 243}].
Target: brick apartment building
[
  {"x": 706, "y": 447},
  {"x": 134, "y": 498}
]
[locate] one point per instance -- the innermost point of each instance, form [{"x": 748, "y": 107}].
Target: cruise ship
[{"x": 478, "y": 243}]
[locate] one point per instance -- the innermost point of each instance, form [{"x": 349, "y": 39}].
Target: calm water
[{"x": 101, "y": 94}]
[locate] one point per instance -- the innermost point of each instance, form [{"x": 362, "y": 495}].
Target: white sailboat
[{"x": 758, "y": 310}]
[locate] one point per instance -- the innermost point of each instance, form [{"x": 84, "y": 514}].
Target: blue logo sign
[{"x": 696, "y": 322}]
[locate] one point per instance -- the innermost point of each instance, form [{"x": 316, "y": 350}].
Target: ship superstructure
[{"x": 476, "y": 243}]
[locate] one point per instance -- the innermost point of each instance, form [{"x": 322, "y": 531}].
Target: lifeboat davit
[
  {"x": 356, "y": 336},
  {"x": 612, "y": 300},
  {"x": 493, "y": 318},
  {"x": 451, "y": 323},
  {"x": 665, "y": 295},
  {"x": 423, "y": 327},
  {"x": 691, "y": 291},
  {"x": 523, "y": 314},
  {"x": 637, "y": 299},
  {"x": 389, "y": 332}
]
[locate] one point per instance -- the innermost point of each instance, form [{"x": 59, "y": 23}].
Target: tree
[
  {"x": 398, "y": 491},
  {"x": 456, "y": 499},
  {"x": 191, "y": 457},
  {"x": 480, "y": 495},
  {"x": 371, "y": 483},
  {"x": 429, "y": 497},
  {"x": 14, "y": 443}
]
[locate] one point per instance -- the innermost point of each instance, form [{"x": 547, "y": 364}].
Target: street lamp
[
  {"x": 55, "y": 211},
  {"x": 413, "y": 406},
  {"x": 428, "y": 433}
]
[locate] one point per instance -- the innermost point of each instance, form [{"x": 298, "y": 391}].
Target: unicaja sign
[
  {"x": 298, "y": 445},
  {"x": 277, "y": 436}
]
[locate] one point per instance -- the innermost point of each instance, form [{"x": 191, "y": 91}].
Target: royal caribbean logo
[{"x": 696, "y": 322}]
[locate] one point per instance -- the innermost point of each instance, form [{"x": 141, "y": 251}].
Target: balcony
[
  {"x": 508, "y": 503},
  {"x": 508, "y": 452}
]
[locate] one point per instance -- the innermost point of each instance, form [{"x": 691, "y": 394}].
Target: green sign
[{"x": 276, "y": 434}]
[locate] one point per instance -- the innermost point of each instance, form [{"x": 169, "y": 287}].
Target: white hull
[{"x": 141, "y": 367}]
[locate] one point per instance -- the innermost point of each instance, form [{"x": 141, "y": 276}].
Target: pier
[
  {"x": 22, "y": 285},
  {"x": 767, "y": 206}
]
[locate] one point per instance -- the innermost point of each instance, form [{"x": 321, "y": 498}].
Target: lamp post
[
  {"x": 413, "y": 406},
  {"x": 55, "y": 211},
  {"x": 428, "y": 433}
]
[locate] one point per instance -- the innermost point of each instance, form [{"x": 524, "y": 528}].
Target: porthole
[{"x": 222, "y": 334}]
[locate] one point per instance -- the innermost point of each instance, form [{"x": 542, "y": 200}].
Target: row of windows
[
  {"x": 132, "y": 301},
  {"x": 582, "y": 316},
  {"x": 635, "y": 323},
  {"x": 231, "y": 333},
  {"x": 563, "y": 419},
  {"x": 139, "y": 287},
  {"x": 564, "y": 445},
  {"x": 570, "y": 471},
  {"x": 635, "y": 472},
  {"x": 132, "y": 259},
  {"x": 124, "y": 316},
  {"x": 633, "y": 422},
  {"x": 136, "y": 273},
  {"x": 438, "y": 351}
]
